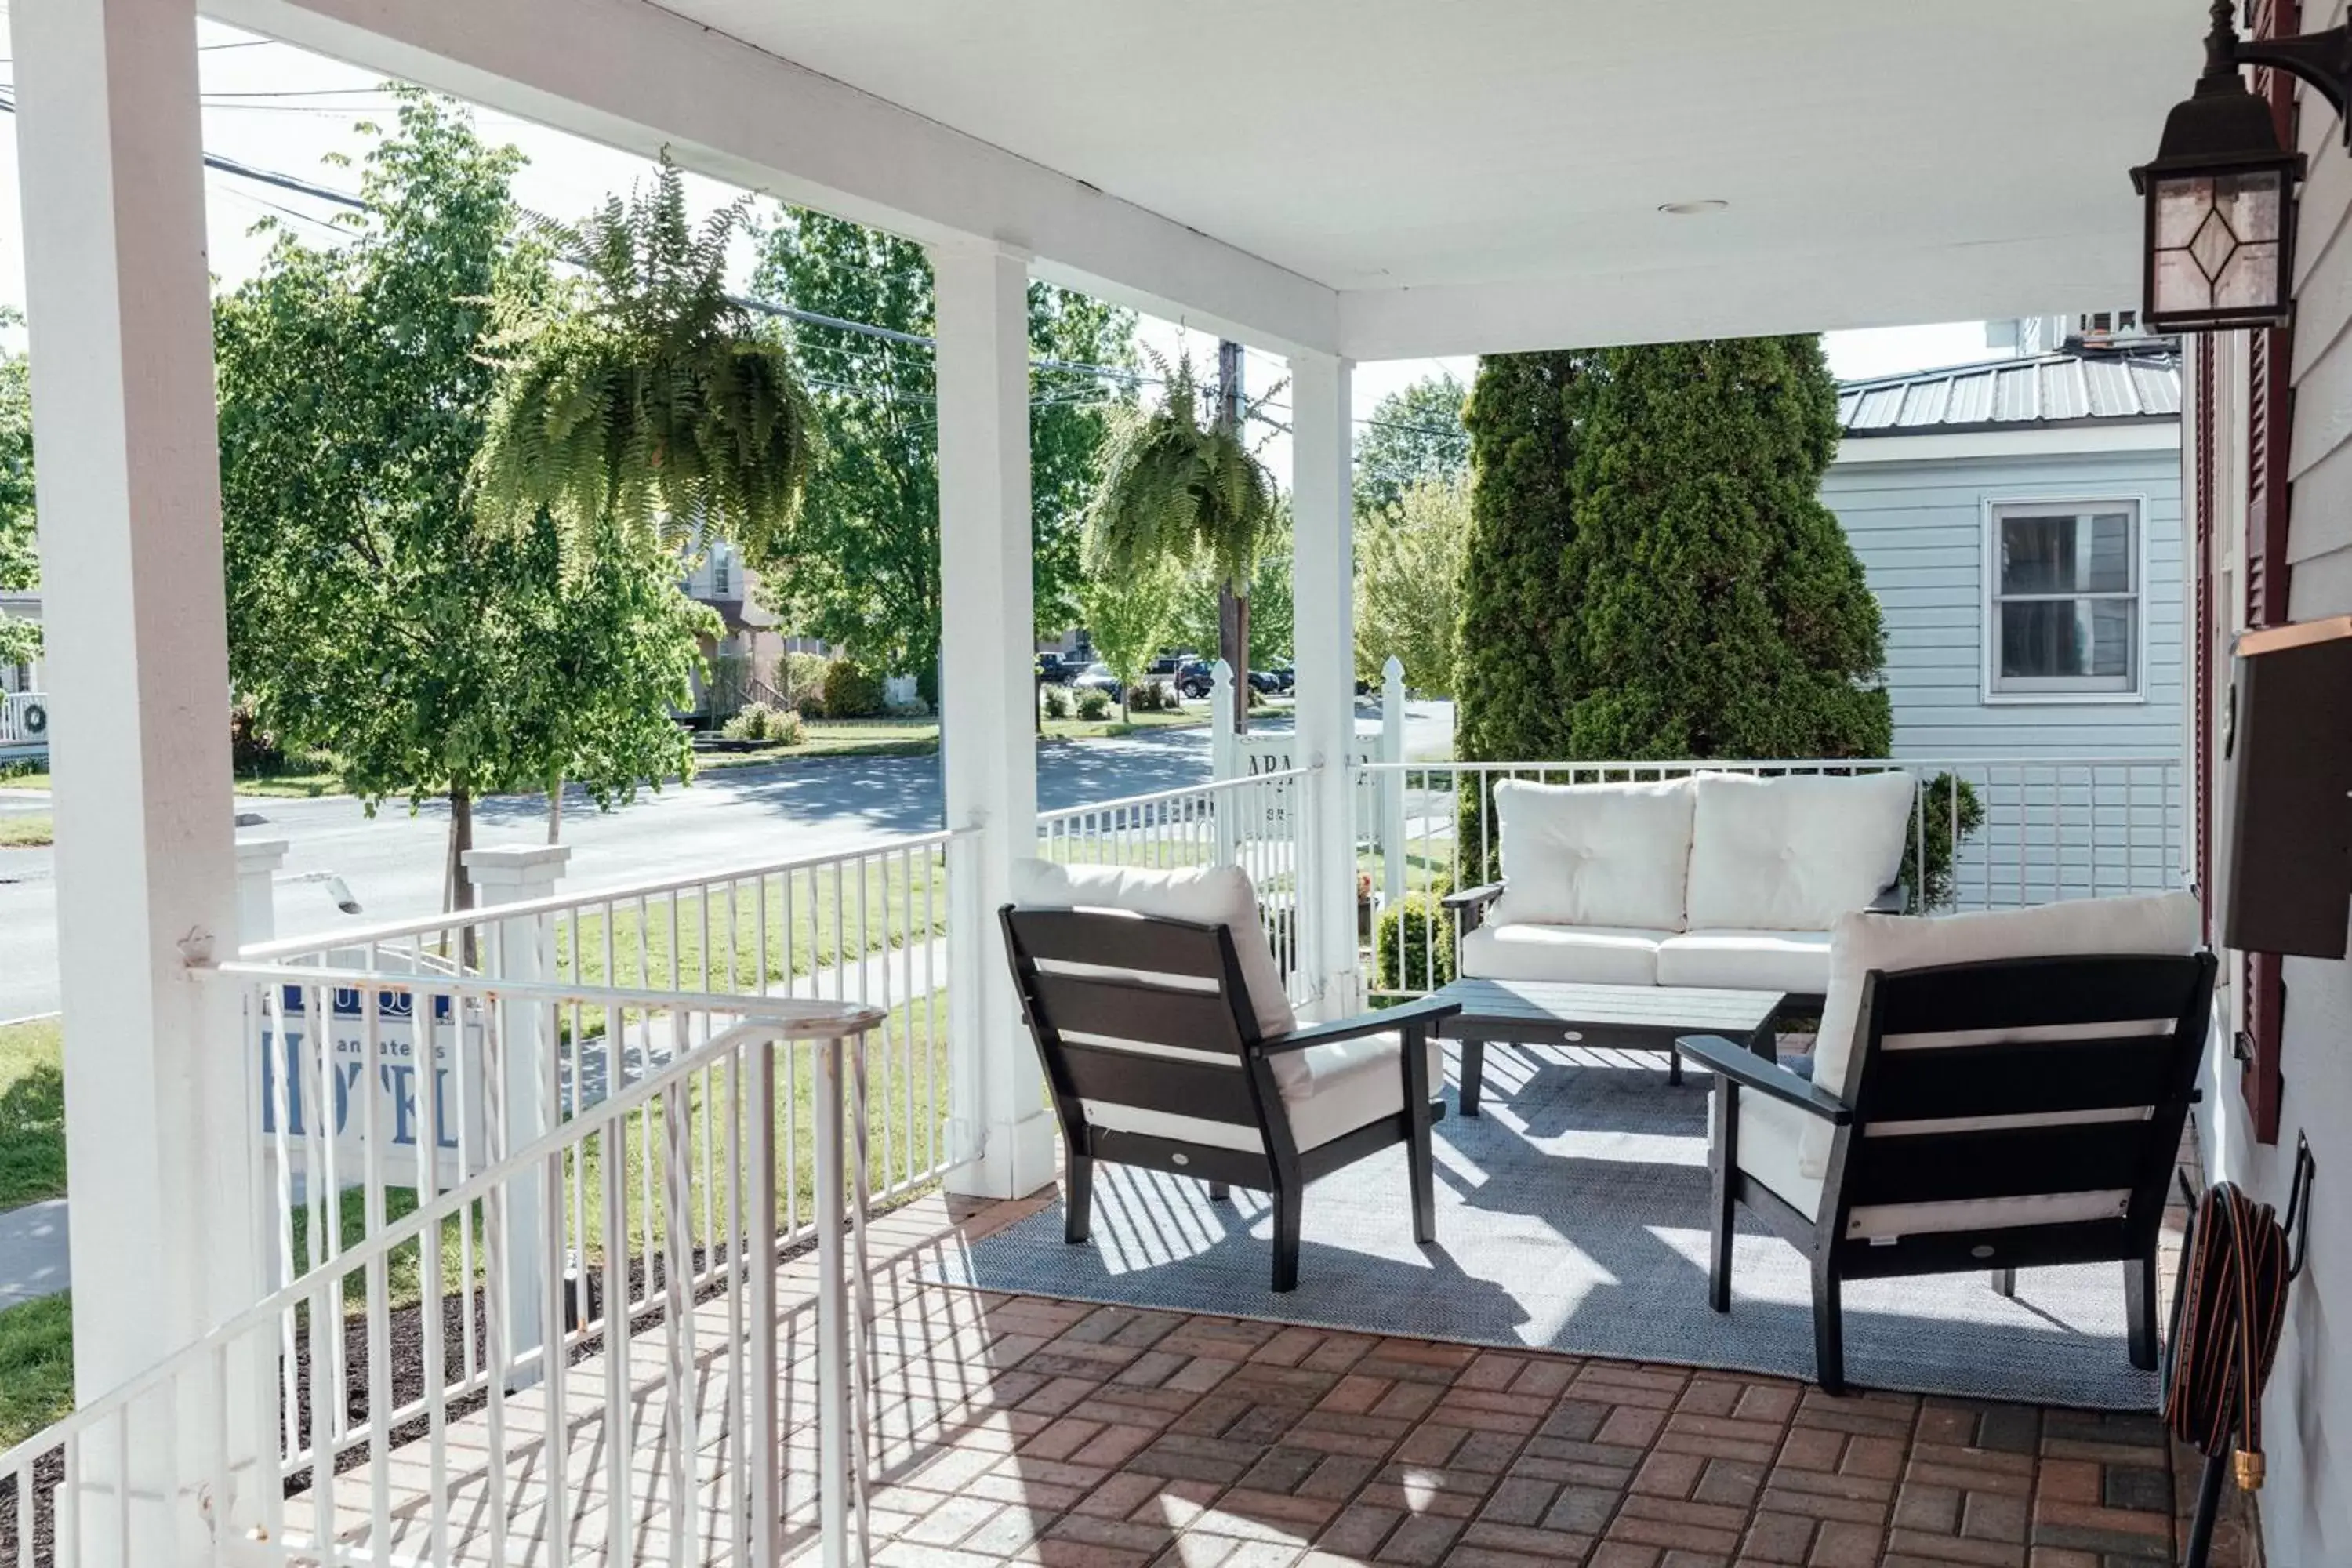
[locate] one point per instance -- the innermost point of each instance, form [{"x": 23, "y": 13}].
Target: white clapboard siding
[{"x": 1918, "y": 528}]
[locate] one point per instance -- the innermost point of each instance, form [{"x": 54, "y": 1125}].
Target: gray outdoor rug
[{"x": 1571, "y": 1216}]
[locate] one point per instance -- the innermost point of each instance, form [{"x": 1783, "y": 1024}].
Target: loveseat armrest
[
  {"x": 1893, "y": 899},
  {"x": 1743, "y": 1067},
  {"x": 1469, "y": 906},
  {"x": 1418, "y": 1015}
]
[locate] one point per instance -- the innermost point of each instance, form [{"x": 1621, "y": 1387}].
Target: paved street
[{"x": 734, "y": 817}]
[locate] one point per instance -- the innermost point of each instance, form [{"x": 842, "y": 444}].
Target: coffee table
[{"x": 1621, "y": 1017}]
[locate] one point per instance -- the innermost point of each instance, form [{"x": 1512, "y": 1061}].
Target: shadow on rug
[{"x": 1573, "y": 1216}]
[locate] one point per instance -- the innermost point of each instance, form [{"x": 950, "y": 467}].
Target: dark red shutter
[{"x": 2269, "y": 424}]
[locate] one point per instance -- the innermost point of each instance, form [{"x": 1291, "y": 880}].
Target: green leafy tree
[
  {"x": 1415, "y": 435},
  {"x": 20, "y": 563},
  {"x": 370, "y": 616},
  {"x": 644, "y": 394},
  {"x": 1713, "y": 607},
  {"x": 861, "y": 566},
  {"x": 1407, "y": 562},
  {"x": 1131, "y": 614},
  {"x": 1523, "y": 436}
]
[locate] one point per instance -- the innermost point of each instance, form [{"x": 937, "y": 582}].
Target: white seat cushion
[
  {"x": 1794, "y": 852},
  {"x": 1748, "y": 960},
  {"x": 1589, "y": 956},
  {"x": 1859, "y": 944},
  {"x": 1593, "y": 855},
  {"x": 1206, "y": 895},
  {"x": 1338, "y": 1089},
  {"x": 1771, "y": 1133}
]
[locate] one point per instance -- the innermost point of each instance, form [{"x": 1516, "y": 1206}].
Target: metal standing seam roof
[{"x": 2011, "y": 394}]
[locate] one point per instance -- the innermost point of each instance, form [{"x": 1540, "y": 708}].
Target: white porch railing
[
  {"x": 2044, "y": 829},
  {"x": 1260, "y": 823},
  {"x": 24, "y": 718},
  {"x": 868, "y": 926},
  {"x": 434, "y": 1423}
]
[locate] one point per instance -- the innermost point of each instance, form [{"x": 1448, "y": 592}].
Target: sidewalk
[{"x": 32, "y": 1252}]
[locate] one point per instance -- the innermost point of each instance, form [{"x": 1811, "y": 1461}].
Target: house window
[{"x": 2063, "y": 621}]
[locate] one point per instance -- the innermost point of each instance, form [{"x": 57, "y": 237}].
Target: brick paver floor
[{"x": 1026, "y": 1430}]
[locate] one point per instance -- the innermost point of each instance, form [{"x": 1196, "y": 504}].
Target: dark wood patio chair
[
  {"x": 2004, "y": 1114},
  {"x": 1155, "y": 1059}
]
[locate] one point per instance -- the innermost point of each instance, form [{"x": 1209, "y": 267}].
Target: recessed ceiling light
[{"x": 1693, "y": 209}]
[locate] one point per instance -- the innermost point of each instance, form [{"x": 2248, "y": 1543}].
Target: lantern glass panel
[
  {"x": 2180, "y": 207},
  {"x": 2251, "y": 205},
  {"x": 2251, "y": 281}
]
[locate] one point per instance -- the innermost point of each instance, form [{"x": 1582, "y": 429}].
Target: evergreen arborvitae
[
  {"x": 1710, "y": 605},
  {"x": 1522, "y": 449}
]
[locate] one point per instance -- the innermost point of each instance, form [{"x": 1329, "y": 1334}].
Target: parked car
[
  {"x": 1265, "y": 683},
  {"x": 1286, "y": 674},
  {"x": 1196, "y": 679},
  {"x": 1057, "y": 668},
  {"x": 1096, "y": 676}
]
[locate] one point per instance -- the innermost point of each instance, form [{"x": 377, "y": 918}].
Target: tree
[
  {"x": 20, "y": 563},
  {"x": 1407, "y": 562},
  {"x": 369, "y": 615},
  {"x": 1713, "y": 607},
  {"x": 1415, "y": 434},
  {"x": 1130, "y": 615},
  {"x": 643, "y": 393},
  {"x": 1176, "y": 489},
  {"x": 1522, "y": 422},
  {"x": 861, "y": 565}
]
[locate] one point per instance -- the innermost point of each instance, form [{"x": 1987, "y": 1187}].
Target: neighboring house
[
  {"x": 747, "y": 659},
  {"x": 2020, "y": 521},
  {"x": 24, "y": 706}
]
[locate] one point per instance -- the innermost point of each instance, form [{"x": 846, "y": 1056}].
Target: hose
[{"x": 2226, "y": 1321}]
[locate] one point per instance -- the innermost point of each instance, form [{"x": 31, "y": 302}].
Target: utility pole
[{"x": 1233, "y": 608}]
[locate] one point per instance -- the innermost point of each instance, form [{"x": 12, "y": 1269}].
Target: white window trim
[{"x": 1988, "y": 603}]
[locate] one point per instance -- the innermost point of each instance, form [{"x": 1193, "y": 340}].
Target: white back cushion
[
  {"x": 1794, "y": 852},
  {"x": 1593, "y": 855},
  {"x": 1207, "y": 895},
  {"x": 1859, "y": 944}
]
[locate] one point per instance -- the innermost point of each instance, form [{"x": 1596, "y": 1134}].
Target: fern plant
[
  {"x": 642, "y": 391},
  {"x": 1176, "y": 488}
]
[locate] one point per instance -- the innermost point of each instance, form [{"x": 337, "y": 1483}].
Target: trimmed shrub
[
  {"x": 802, "y": 675},
  {"x": 1094, "y": 706},
  {"x": 851, "y": 691},
  {"x": 1149, "y": 697},
  {"x": 1057, "y": 702},
  {"x": 1949, "y": 802},
  {"x": 756, "y": 721},
  {"x": 1412, "y": 945}
]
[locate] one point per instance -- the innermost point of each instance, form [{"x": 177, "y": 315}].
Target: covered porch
[{"x": 654, "y": 1057}]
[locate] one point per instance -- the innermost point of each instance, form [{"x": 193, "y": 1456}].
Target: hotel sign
[{"x": 425, "y": 1077}]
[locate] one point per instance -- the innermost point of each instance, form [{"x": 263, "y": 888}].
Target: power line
[{"x": 227, "y": 165}]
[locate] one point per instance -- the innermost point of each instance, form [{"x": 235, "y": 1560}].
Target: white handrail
[
  {"x": 614, "y": 893},
  {"x": 1164, "y": 796},
  {"x": 793, "y": 1019}
]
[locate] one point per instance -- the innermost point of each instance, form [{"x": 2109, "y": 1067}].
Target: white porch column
[
  {"x": 986, "y": 659},
  {"x": 1323, "y": 583},
  {"x": 522, "y": 949},
  {"x": 257, "y": 860},
  {"x": 160, "y": 1113}
]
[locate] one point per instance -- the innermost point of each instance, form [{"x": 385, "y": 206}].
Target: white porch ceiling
[
  {"x": 1516, "y": 148},
  {"x": 1390, "y": 178}
]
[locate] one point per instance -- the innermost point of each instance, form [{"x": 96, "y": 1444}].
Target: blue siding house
[{"x": 2020, "y": 524}]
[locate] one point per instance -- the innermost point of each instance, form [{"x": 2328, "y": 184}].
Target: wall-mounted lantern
[{"x": 2220, "y": 189}]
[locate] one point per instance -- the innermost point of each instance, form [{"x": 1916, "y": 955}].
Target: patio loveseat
[{"x": 1719, "y": 880}]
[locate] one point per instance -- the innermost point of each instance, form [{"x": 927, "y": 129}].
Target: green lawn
[
  {"x": 832, "y": 918},
  {"x": 35, "y": 1367},
  {"x": 32, "y": 1113},
  {"x": 918, "y": 737},
  {"x": 29, "y": 831}
]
